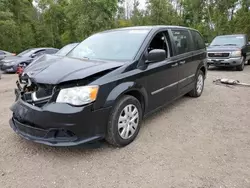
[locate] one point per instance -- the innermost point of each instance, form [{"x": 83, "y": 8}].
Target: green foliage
[{"x": 37, "y": 23}]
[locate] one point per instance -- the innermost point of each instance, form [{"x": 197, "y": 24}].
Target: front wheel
[
  {"x": 124, "y": 121},
  {"x": 241, "y": 66},
  {"x": 199, "y": 85}
]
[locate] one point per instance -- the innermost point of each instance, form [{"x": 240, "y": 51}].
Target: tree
[
  {"x": 58, "y": 22},
  {"x": 162, "y": 12}
]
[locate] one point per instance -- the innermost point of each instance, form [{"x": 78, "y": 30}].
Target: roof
[
  {"x": 231, "y": 35},
  {"x": 4, "y": 51},
  {"x": 42, "y": 48},
  {"x": 149, "y": 28}
]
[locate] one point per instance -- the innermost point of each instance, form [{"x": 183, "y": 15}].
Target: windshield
[
  {"x": 26, "y": 53},
  {"x": 228, "y": 41},
  {"x": 66, "y": 49},
  {"x": 114, "y": 45}
]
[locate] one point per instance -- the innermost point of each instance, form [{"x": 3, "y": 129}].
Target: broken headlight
[{"x": 78, "y": 95}]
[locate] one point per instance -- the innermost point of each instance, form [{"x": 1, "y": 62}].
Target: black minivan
[{"x": 106, "y": 85}]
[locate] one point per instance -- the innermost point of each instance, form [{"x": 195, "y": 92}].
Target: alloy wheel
[
  {"x": 200, "y": 83},
  {"x": 128, "y": 121}
]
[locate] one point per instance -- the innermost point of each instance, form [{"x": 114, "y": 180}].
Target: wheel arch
[
  {"x": 128, "y": 88},
  {"x": 203, "y": 68}
]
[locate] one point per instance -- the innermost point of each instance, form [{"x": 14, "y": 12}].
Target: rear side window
[
  {"x": 198, "y": 41},
  {"x": 182, "y": 40},
  {"x": 51, "y": 51}
]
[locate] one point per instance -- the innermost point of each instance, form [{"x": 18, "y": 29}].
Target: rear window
[
  {"x": 198, "y": 40},
  {"x": 1, "y": 52}
]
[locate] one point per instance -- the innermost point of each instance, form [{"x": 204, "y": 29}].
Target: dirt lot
[{"x": 202, "y": 142}]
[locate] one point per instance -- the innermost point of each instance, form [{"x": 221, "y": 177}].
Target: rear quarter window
[{"x": 198, "y": 40}]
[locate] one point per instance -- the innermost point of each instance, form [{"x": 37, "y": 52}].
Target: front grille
[
  {"x": 218, "y": 54},
  {"x": 44, "y": 90},
  {"x": 39, "y": 95}
]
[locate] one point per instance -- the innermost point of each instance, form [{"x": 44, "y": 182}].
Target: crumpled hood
[
  {"x": 53, "y": 69},
  {"x": 223, "y": 48}
]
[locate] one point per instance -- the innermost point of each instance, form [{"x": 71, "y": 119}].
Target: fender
[
  {"x": 202, "y": 64},
  {"x": 124, "y": 88}
]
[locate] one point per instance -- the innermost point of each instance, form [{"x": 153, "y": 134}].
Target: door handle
[
  {"x": 174, "y": 65},
  {"x": 182, "y": 62}
]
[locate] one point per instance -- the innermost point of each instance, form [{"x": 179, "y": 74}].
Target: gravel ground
[{"x": 200, "y": 142}]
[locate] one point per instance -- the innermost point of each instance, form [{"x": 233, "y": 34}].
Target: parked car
[
  {"x": 62, "y": 52},
  {"x": 4, "y": 54},
  {"x": 106, "y": 85},
  {"x": 10, "y": 64},
  {"x": 229, "y": 51}
]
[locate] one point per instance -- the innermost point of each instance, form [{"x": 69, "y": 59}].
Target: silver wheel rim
[
  {"x": 128, "y": 121},
  {"x": 200, "y": 83}
]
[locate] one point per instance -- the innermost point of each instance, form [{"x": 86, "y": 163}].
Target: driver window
[{"x": 160, "y": 42}]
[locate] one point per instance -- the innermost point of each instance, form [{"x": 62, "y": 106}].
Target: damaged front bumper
[{"x": 58, "y": 124}]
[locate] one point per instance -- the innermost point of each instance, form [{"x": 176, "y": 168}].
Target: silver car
[{"x": 4, "y": 54}]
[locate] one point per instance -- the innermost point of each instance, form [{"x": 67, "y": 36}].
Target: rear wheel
[
  {"x": 124, "y": 121},
  {"x": 241, "y": 66},
  {"x": 199, "y": 85},
  {"x": 248, "y": 62}
]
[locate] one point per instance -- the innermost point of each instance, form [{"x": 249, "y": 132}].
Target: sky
[{"x": 142, "y": 4}]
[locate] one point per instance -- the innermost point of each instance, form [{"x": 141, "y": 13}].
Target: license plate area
[{"x": 217, "y": 61}]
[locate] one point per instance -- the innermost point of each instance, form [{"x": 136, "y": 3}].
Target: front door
[{"x": 161, "y": 77}]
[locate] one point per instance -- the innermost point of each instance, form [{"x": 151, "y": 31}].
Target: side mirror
[
  {"x": 156, "y": 55},
  {"x": 33, "y": 55}
]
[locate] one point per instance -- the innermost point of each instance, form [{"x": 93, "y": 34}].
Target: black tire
[
  {"x": 248, "y": 62},
  {"x": 241, "y": 66},
  {"x": 113, "y": 136},
  {"x": 207, "y": 67},
  {"x": 194, "y": 92}
]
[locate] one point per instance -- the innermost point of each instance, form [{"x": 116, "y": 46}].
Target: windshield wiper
[
  {"x": 230, "y": 45},
  {"x": 215, "y": 45}
]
